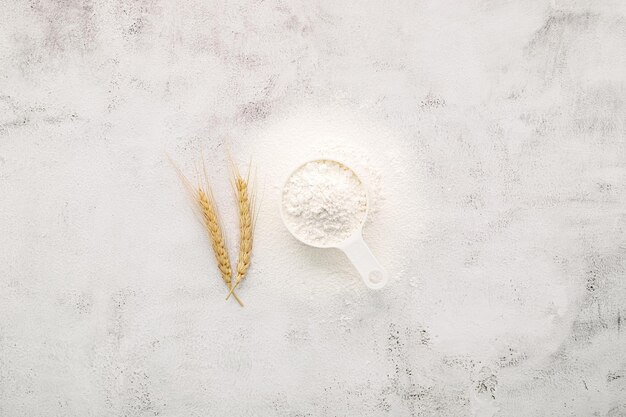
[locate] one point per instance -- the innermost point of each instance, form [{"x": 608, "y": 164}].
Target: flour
[{"x": 324, "y": 203}]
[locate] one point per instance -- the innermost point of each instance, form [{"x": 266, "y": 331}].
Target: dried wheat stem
[
  {"x": 246, "y": 227},
  {"x": 203, "y": 196},
  {"x": 211, "y": 222}
]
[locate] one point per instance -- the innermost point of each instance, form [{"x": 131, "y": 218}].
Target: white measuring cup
[{"x": 372, "y": 272}]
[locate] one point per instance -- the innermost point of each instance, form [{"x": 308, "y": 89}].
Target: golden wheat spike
[
  {"x": 203, "y": 196},
  {"x": 246, "y": 228}
]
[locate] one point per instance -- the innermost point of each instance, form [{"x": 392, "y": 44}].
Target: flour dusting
[{"x": 324, "y": 203}]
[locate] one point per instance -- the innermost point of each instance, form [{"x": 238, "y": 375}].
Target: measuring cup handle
[{"x": 373, "y": 274}]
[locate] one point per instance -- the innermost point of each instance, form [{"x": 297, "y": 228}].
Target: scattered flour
[{"x": 324, "y": 203}]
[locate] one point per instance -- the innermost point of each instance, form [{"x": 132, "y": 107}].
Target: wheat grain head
[
  {"x": 245, "y": 204},
  {"x": 203, "y": 196}
]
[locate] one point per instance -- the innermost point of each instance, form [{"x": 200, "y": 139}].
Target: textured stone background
[{"x": 492, "y": 134}]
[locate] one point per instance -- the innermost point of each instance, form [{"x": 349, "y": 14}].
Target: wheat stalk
[
  {"x": 207, "y": 207},
  {"x": 203, "y": 196},
  {"x": 245, "y": 204}
]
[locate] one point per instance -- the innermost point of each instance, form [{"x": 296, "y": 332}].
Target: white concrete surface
[{"x": 492, "y": 134}]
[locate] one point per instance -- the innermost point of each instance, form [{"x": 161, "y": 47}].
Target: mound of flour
[{"x": 324, "y": 203}]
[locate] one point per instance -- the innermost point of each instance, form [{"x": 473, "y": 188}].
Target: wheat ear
[
  {"x": 206, "y": 205},
  {"x": 246, "y": 227},
  {"x": 211, "y": 222}
]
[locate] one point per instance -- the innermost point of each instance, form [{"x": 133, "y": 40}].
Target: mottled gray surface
[{"x": 492, "y": 136}]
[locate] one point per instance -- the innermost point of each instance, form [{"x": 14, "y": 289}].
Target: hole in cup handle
[{"x": 371, "y": 271}]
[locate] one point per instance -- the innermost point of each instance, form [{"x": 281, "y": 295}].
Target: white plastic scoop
[{"x": 355, "y": 248}]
